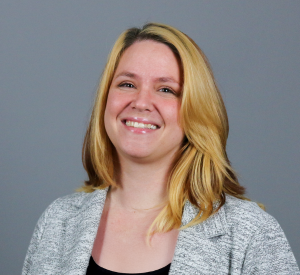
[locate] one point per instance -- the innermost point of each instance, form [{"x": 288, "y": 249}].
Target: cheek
[
  {"x": 116, "y": 102},
  {"x": 111, "y": 109},
  {"x": 176, "y": 120},
  {"x": 109, "y": 104},
  {"x": 171, "y": 113},
  {"x": 109, "y": 112},
  {"x": 114, "y": 106}
]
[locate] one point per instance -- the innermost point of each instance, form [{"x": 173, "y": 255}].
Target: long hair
[{"x": 202, "y": 172}]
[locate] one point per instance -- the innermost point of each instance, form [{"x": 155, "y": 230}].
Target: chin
[{"x": 141, "y": 156}]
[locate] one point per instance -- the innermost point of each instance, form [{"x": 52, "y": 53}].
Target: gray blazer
[{"x": 239, "y": 239}]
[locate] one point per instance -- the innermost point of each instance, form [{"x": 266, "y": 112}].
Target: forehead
[{"x": 151, "y": 57}]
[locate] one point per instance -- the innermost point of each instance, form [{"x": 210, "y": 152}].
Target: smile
[{"x": 140, "y": 125}]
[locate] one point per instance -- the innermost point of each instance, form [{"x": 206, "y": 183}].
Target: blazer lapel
[
  {"x": 80, "y": 234},
  {"x": 196, "y": 248}
]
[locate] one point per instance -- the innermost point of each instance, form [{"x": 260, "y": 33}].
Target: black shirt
[{"x": 94, "y": 269}]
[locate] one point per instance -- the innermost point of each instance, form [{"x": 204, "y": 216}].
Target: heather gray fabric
[{"x": 239, "y": 239}]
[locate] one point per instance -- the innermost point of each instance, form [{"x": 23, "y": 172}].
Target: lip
[{"x": 140, "y": 120}]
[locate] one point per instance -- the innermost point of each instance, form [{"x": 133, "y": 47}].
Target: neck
[{"x": 141, "y": 186}]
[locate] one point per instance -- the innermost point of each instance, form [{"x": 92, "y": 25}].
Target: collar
[{"x": 215, "y": 225}]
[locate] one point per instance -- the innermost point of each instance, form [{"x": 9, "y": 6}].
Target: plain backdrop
[{"x": 52, "y": 54}]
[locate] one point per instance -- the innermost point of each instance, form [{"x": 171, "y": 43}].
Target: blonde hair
[{"x": 202, "y": 173}]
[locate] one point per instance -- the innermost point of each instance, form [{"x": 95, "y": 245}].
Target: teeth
[{"x": 140, "y": 125}]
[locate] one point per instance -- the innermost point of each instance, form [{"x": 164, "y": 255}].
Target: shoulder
[
  {"x": 237, "y": 218},
  {"x": 242, "y": 237},
  {"x": 67, "y": 213},
  {"x": 78, "y": 214},
  {"x": 246, "y": 215},
  {"x": 246, "y": 221},
  {"x": 74, "y": 203},
  {"x": 260, "y": 237}
]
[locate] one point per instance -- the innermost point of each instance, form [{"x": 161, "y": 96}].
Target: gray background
[{"x": 51, "y": 56}]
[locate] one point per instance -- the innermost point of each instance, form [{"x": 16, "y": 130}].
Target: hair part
[{"x": 202, "y": 172}]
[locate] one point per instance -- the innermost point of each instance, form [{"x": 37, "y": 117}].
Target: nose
[{"x": 143, "y": 100}]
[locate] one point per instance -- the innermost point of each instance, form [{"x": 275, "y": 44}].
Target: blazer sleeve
[
  {"x": 32, "y": 252},
  {"x": 269, "y": 252}
]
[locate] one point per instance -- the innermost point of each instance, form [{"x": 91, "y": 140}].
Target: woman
[{"x": 161, "y": 197}]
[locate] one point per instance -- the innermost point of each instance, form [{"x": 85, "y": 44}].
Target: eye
[
  {"x": 167, "y": 90},
  {"x": 126, "y": 85}
]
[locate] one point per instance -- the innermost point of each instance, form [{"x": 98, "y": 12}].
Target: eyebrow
[
  {"x": 128, "y": 74},
  {"x": 159, "y": 79},
  {"x": 166, "y": 79}
]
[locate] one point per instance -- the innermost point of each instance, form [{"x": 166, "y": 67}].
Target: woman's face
[{"x": 141, "y": 115}]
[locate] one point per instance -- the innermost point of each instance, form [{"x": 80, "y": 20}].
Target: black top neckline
[{"x": 94, "y": 268}]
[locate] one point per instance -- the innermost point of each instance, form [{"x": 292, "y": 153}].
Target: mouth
[{"x": 136, "y": 124}]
